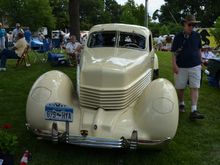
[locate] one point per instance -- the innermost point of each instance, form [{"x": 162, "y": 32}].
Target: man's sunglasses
[{"x": 191, "y": 24}]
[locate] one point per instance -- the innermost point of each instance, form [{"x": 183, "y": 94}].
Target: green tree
[
  {"x": 216, "y": 31},
  {"x": 32, "y": 13},
  {"x": 173, "y": 10},
  {"x": 112, "y": 10},
  {"x": 155, "y": 28},
  {"x": 174, "y": 28},
  {"x": 140, "y": 15},
  {"x": 164, "y": 30},
  {"x": 59, "y": 10},
  {"x": 132, "y": 13},
  {"x": 91, "y": 13}
]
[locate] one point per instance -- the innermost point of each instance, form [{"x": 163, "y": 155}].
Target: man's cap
[
  {"x": 191, "y": 19},
  {"x": 18, "y": 24}
]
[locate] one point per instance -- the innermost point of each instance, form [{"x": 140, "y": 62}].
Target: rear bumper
[{"x": 132, "y": 143}]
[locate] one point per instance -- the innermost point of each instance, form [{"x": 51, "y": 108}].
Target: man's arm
[
  {"x": 200, "y": 56},
  {"x": 174, "y": 65},
  {"x": 13, "y": 34},
  {"x": 174, "y": 49}
]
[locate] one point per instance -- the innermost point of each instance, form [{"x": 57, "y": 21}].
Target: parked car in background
[{"x": 116, "y": 103}]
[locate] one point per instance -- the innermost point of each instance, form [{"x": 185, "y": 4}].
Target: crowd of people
[
  {"x": 164, "y": 43},
  {"x": 13, "y": 44}
]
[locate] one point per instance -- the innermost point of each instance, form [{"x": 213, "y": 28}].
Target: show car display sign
[{"x": 207, "y": 37}]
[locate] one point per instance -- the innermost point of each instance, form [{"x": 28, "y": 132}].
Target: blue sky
[{"x": 152, "y": 4}]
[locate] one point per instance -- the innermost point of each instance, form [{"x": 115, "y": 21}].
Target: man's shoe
[
  {"x": 182, "y": 108},
  {"x": 2, "y": 69},
  {"x": 28, "y": 65},
  {"x": 196, "y": 115}
]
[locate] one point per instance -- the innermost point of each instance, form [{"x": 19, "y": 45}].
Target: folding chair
[
  {"x": 41, "y": 51},
  {"x": 44, "y": 49},
  {"x": 72, "y": 59},
  {"x": 24, "y": 57}
]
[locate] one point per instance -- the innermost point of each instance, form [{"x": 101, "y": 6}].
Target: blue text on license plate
[{"x": 58, "y": 112}]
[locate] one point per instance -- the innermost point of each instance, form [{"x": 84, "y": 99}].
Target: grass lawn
[{"x": 196, "y": 143}]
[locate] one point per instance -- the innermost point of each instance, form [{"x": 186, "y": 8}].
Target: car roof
[{"x": 121, "y": 27}]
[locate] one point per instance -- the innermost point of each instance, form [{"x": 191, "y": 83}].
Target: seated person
[
  {"x": 73, "y": 49},
  {"x": 15, "y": 53},
  {"x": 99, "y": 40},
  {"x": 207, "y": 54}
]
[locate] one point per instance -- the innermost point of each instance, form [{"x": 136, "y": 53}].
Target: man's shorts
[{"x": 188, "y": 76}]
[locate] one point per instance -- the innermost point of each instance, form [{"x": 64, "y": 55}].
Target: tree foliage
[
  {"x": 132, "y": 13},
  {"x": 54, "y": 13},
  {"x": 59, "y": 10},
  {"x": 206, "y": 11},
  {"x": 216, "y": 31},
  {"x": 91, "y": 13},
  {"x": 112, "y": 10},
  {"x": 32, "y": 13}
]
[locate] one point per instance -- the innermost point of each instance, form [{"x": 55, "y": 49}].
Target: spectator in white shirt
[
  {"x": 207, "y": 54},
  {"x": 73, "y": 49}
]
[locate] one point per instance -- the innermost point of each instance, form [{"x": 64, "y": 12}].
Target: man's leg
[
  {"x": 3, "y": 56},
  {"x": 7, "y": 54},
  {"x": 180, "y": 95},
  {"x": 180, "y": 83},
  {"x": 194, "y": 93},
  {"x": 194, "y": 84},
  {"x": 72, "y": 59}
]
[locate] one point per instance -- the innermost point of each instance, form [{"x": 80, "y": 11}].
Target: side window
[{"x": 150, "y": 43}]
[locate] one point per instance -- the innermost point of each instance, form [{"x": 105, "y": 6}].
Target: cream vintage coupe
[{"x": 116, "y": 103}]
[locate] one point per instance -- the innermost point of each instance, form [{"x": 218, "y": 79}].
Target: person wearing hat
[
  {"x": 15, "y": 32},
  {"x": 3, "y": 36},
  {"x": 186, "y": 62}
]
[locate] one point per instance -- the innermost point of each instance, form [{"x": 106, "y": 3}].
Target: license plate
[{"x": 58, "y": 112}]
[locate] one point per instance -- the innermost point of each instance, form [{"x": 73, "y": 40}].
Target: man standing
[
  {"x": 16, "y": 31},
  {"x": 186, "y": 62}
]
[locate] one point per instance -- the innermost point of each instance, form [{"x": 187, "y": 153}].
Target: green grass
[{"x": 196, "y": 143}]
